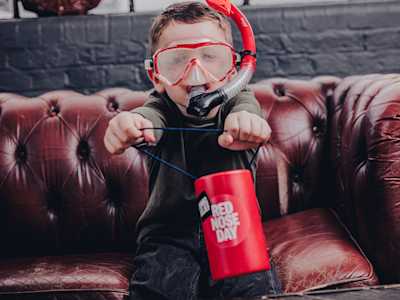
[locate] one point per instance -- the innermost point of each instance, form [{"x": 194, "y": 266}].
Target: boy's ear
[{"x": 158, "y": 86}]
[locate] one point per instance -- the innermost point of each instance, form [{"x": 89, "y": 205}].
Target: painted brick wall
[{"x": 88, "y": 53}]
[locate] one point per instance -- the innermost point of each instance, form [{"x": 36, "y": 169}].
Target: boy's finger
[
  {"x": 115, "y": 129},
  {"x": 127, "y": 124},
  {"x": 245, "y": 128},
  {"x": 266, "y": 132},
  {"x": 148, "y": 133},
  {"x": 138, "y": 141},
  {"x": 232, "y": 125},
  {"x": 107, "y": 144},
  {"x": 256, "y": 130},
  {"x": 113, "y": 144},
  {"x": 239, "y": 146},
  {"x": 225, "y": 139}
]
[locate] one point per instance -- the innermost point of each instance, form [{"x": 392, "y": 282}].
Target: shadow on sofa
[{"x": 326, "y": 182}]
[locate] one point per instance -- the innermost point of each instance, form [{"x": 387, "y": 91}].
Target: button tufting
[
  {"x": 318, "y": 128},
  {"x": 114, "y": 195},
  {"x": 54, "y": 110},
  {"x": 21, "y": 153},
  {"x": 53, "y": 200},
  {"x": 52, "y": 216},
  {"x": 112, "y": 104},
  {"x": 342, "y": 98},
  {"x": 297, "y": 174},
  {"x": 296, "y": 177},
  {"x": 279, "y": 90},
  {"x": 83, "y": 150},
  {"x": 113, "y": 203}
]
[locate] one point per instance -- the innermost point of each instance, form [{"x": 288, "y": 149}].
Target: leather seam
[
  {"x": 371, "y": 269},
  {"x": 124, "y": 292}
]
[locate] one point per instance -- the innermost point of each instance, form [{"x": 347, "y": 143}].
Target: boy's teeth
[{"x": 197, "y": 89}]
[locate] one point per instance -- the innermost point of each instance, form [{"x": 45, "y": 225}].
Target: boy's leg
[{"x": 165, "y": 268}]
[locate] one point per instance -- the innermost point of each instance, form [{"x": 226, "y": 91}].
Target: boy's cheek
[
  {"x": 177, "y": 94},
  {"x": 216, "y": 85}
]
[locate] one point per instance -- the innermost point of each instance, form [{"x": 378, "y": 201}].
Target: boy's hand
[
  {"x": 244, "y": 130},
  {"x": 124, "y": 130}
]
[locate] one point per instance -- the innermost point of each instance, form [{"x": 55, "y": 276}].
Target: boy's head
[
  {"x": 190, "y": 44},
  {"x": 187, "y": 13}
]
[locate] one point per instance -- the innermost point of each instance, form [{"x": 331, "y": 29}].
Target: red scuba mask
[{"x": 194, "y": 63}]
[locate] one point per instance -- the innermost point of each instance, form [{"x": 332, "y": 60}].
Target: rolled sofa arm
[{"x": 365, "y": 151}]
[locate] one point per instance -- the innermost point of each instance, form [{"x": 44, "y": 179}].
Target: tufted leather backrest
[
  {"x": 61, "y": 192},
  {"x": 293, "y": 172},
  {"x": 365, "y": 149}
]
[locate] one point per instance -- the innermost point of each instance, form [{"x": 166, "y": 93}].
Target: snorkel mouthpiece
[{"x": 200, "y": 103}]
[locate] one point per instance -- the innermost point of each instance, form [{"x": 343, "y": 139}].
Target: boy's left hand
[{"x": 244, "y": 130}]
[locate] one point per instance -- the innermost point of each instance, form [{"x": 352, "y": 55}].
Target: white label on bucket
[
  {"x": 224, "y": 221},
  {"x": 204, "y": 206}
]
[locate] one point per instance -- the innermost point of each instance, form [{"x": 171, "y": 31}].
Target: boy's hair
[{"x": 189, "y": 12}]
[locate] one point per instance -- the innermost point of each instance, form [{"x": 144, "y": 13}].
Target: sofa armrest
[{"x": 365, "y": 145}]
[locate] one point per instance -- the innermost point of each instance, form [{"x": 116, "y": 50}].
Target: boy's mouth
[{"x": 197, "y": 89}]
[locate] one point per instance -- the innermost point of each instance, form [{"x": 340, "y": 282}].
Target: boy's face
[{"x": 181, "y": 33}]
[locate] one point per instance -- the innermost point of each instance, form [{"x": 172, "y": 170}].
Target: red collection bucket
[{"x": 231, "y": 224}]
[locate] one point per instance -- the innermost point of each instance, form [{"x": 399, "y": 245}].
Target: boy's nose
[{"x": 196, "y": 75}]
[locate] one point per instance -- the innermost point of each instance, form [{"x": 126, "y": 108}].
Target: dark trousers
[
  {"x": 172, "y": 267},
  {"x": 177, "y": 269}
]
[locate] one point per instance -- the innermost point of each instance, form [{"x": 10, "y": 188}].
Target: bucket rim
[{"x": 223, "y": 173}]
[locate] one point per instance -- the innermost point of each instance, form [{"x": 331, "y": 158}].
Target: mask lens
[
  {"x": 216, "y": 59},
  {"x": 173, "y": 63}
]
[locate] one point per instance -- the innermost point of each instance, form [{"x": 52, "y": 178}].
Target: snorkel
[{"x": 200, "y": 103}]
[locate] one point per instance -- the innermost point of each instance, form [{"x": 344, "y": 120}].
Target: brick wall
[{"x": 88, "y": 53}]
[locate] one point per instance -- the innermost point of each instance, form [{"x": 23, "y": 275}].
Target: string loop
[{"x": 140, "y": 147}]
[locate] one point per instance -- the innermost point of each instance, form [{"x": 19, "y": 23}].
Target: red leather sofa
[{"x": 326, "y": 182}]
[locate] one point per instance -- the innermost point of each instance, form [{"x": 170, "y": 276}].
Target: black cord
[{"x": 140, "y": 147}]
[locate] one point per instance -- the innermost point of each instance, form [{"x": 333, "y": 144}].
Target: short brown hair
[{"x": 189, "y": 12}]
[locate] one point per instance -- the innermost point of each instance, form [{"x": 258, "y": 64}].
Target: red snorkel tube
[{"x": 200, "y": 104}]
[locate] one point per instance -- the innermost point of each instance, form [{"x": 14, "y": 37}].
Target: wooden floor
[{"x": 381, "y": 292}]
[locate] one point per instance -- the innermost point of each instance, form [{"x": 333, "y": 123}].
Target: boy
[{"x": 171, "y": 260}]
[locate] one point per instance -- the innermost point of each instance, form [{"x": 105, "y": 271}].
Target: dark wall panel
[{"x": 88, "y": 53}]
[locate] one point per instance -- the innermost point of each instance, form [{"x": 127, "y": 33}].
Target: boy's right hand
[{"x": 124, "y": 131}]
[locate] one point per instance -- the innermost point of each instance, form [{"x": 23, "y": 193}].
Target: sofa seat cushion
[
  {"x": 312, "y": 250},
  {"x": 94, "y": 276}
]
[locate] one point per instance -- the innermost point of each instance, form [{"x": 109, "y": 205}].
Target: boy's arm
[
  {"x": 245, "y": 101},
  {"x": 154, "y": 110},
  {"x": 244, "y": 125},
  {"x": 126, "y": 128}
]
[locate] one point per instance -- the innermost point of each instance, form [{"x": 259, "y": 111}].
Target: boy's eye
[
  {"x": 179, "y": 58},
  {"x": 183, "y": 58},
  {"x": 208, "y": 53},
  {"x": 209, "y": 56},
  {"x": 213, "y": 53}
]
